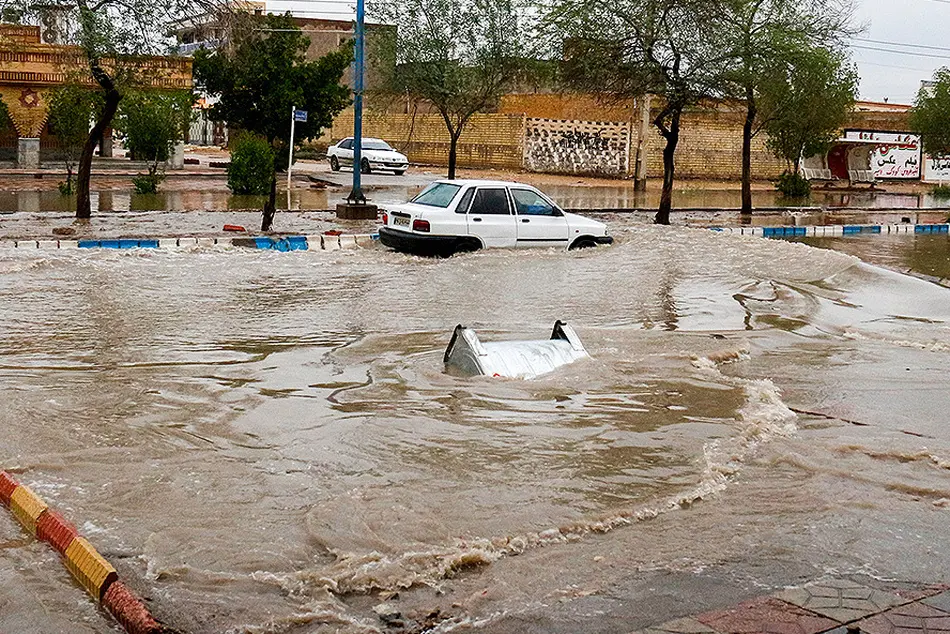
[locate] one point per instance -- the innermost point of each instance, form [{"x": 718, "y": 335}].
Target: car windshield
[
  {"x": 375, "y": 144},
  {"x": 437, "y": 195}
]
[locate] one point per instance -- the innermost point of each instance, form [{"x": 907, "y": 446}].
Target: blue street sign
[{"x": 300, "y": 115}]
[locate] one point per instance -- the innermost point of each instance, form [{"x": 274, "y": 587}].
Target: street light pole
[
  {"x": 356, "y": 207},
  {"x": 356, "y": 196}
]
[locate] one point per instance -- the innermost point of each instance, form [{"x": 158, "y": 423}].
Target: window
[
  {"x": 437, "y": 195},
  {"x": 346, "y": 144},
  {"x": 466, "y": 201},
  {"x": 375, "y": 144},
  {"x": 490, "y": 201},
  {"x": 529, "y": 203}
]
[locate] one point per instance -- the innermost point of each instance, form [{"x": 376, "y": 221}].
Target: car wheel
[
  {"x": 399, "y": 172},
  {"x": 334, "y": 164},
  {"x": 584, "y": 243},
  {"x": 467, "y": 245},
  {"x": 364, "y": 167}
]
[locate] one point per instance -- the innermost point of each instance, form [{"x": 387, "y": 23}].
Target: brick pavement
[{"x": 829, "y": 605}]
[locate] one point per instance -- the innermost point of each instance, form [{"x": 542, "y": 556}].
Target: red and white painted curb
[{"x": 88, "y": 567}]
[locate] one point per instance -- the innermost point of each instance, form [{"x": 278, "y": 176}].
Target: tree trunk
[
  {"x": 750, "y": 115},
  {"x": 83, "y": 200},
  {"x": 453, "y": 154},
  {"x": 270, "y": 207},
  {"x": 672, "y": 136}
]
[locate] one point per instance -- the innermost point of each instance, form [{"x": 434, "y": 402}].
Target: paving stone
[
  {"x": 922, "y": 593},
  {"x": 940, "y": 601},
  {"x": 680, "y": 626},
  {"x": 840, "y": 599},
  {"x": 913, "y": 618},
  {"x": 766, "y": 615}
]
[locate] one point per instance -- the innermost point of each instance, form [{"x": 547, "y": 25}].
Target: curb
[
  {"x": 87, "y": 566},
  {"x": 832, "y": 230},
  {"x": 285, "y": 243}
]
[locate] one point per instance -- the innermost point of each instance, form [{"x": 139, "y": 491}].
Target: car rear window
[
  {"x": 375, "y": 144},
  {"x": 437, "y": 195}
]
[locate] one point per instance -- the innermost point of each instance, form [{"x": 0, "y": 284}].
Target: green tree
[
  {"x": 930, "y": 116},
  {"x": 261, "y": 76},
  {"x": 806, "y": 101},
  {"x": 675, "y": 49},
  {"x": 112, "y": 36},
  {"x": 72, "y": 108},
  {"x": 764, "y": 33},
  {"x": 153, "y": 123}
]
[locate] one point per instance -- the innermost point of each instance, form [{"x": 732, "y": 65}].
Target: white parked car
[
  {"x": 466, "y": 215},
  {"x": 376, "y": 155}
]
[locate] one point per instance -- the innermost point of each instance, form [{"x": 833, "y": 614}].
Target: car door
[
  {"x": 345, "y": 152},
  {"x": 489, "y": 217},
  {"x": 539, "y": 223}
]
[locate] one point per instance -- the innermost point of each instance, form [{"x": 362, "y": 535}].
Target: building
[
  {"x": 31, "y": 69},
  {"x": 327, "y": 29}
]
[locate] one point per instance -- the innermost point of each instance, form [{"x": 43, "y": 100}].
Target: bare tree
[{"x": 458, "y": 55}]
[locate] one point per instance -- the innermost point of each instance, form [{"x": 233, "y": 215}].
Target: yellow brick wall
[
  {"x": 488, "y": 140},
  {"x": 710, "y": 143},
  {"x": 710, "y": 146}
]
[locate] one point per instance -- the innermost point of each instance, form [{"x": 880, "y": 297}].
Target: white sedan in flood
[
  {"x": 376, "y": 155},
  {"x": 466, "y": 215}
]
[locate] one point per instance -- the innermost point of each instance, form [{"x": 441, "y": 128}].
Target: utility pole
[
  {"x": 640, "y": 184},
  {"x": 356, "y": 206},
  {"x": 290, "y": 157}
]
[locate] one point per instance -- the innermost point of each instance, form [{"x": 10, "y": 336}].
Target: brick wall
[
  {"x": 710, "y": 143},
  {"x": 576, "y": 147},
  {"x": 710, "y": 146},
  {"x": 570, "y": 106},
  {"x": 488, "y": 140}
]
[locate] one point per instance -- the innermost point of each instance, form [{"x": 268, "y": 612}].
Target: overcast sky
[
  {"x": 917, "y": 22},
  {"x": 883, "y": 73}
]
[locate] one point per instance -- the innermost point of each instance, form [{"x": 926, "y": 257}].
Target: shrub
[
  {"x": 252, "y": 165},
  {"x": 793, "y": 185},
  {"x": 147, "y": 183},
  {"x": 153, "y": 122},
  {"x": 941, "y": 191},
  {"x": 66, "y": 187},
  {"x": 308, "y": 152}
]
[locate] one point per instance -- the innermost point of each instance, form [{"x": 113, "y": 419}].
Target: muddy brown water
[
  {"x": 215, "y": 197},
  {"x": 266, "y": 442}
]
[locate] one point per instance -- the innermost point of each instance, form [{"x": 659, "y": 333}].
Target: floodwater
[
  {"x": 214, "y": 197},
  {"x": 266, "y": 442}
]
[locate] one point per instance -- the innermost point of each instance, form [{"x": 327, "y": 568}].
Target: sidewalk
[{"x": 837, "y": 606}]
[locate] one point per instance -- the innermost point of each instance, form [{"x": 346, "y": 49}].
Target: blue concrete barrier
[
  {"x": 118, "y": 244},
  {"x": 931, "y": 228},
  {"x": 852, "y": 229},
  {"x": 783, "y": 232}
]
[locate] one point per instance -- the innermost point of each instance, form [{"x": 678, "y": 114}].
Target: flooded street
[{"x": 267, "y": 442}]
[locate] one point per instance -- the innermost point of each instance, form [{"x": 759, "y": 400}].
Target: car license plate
[{"x": 400, "y": 221}]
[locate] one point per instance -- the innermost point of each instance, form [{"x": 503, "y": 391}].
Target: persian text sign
[
  {"x": 899, "y": 138},
  {"x": 896, "y": 161},
  {"x": 895, "y": 155},
  {"x": 937, "y": 169}
]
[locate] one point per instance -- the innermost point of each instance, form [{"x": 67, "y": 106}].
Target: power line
[
  {"x": 908, "y": 53},
  {"x": 904, "y": 44},
  {"x": 916, "y": 70}
]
